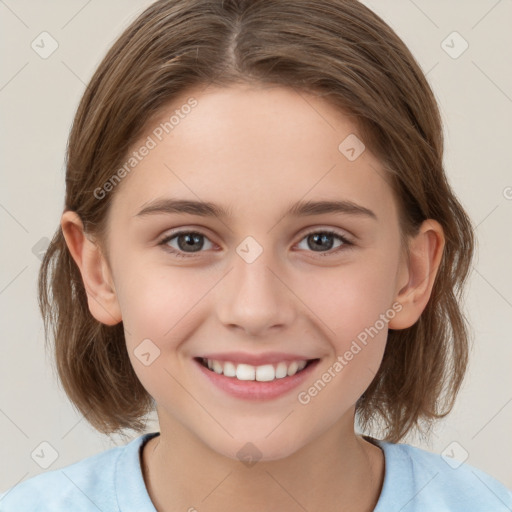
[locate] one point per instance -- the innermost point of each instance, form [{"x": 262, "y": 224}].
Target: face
[{"x": 255, "y": 284}]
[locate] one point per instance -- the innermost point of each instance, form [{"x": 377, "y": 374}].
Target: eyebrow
[{"x": 207, "y": 209}]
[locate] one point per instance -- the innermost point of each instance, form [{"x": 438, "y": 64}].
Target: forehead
[{"x": 251, "y": 149}]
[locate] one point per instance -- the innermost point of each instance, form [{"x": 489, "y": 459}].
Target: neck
[{"x": 182, "y": 473}]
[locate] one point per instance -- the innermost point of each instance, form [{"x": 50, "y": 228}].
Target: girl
[{"x": 299, "y": 147}]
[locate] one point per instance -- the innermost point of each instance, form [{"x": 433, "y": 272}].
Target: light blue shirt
[{"x": 415, "y": 481}]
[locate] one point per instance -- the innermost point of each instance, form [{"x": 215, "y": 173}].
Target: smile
[
  {"x": 263, "y": 373},
  {"x": 250, "y": 382}
]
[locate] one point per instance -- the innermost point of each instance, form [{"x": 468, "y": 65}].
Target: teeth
[
  {"x": 302, "y": 365},
  {"x": 217, "y": 367},
  {"x": 292, "y": 369},
  {"x": 281, "y": 370},
  {"x": 229, "y": 369},
  {"x": 245, "y": 372},
  {"x": 264, "y": 373}
]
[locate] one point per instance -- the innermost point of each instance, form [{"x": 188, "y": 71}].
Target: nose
[{"x": 255, "y": 297}]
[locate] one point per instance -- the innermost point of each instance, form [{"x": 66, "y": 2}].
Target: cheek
[
  {"x": 157, "y": 305},
  {"x": 355, "y": 307},
  {"x": 354, "y": 304},
  {"x": 161, "y": 303},
  {"x": 352, "y": 298},
  {"x": 151, "y": 297}
]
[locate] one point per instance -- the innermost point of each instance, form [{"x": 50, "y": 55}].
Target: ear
[
  {"x": 417, "y": 275},
  {"x": 95, "y": 271}
]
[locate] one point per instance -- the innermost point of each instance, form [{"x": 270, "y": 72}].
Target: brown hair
[{"x": 338, "y": 49}]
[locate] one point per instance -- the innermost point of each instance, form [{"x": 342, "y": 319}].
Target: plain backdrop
[{"x": 38, "y": 99}]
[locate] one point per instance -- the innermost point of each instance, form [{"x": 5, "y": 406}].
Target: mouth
[
  {"x": 248, "y": 382},
  {"x": 261, "y": 373}
]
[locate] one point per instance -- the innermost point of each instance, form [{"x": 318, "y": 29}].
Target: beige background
[{"x": 38, "y": 98}]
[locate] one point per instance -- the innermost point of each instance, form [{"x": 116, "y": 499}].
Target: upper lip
[{"x": 256, "y": 359}]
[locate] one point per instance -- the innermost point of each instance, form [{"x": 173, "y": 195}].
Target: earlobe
[
  {"x": 418, "y": 274},
  {"x": 96, "y": 276}
]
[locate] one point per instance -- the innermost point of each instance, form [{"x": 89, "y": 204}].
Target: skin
[{"x": 256, "y": 150}]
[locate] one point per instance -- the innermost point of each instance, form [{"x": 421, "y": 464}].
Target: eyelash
[{"x": 345, "y": 246}]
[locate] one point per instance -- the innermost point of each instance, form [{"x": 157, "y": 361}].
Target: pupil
[
  {"x": 190, "y": 240},
  {"x": 322, "y": 237}
]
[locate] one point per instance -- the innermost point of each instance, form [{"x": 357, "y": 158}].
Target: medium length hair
[{"x": 337, "y": 49}]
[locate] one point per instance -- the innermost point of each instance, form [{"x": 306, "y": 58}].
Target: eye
[
  {"x": 190, "y": 242},
  {"x": 319, "y": 239},
  {"x": 186, "y": 240}
]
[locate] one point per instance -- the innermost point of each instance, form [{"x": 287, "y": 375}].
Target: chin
[{"x": 252, "y": 449}]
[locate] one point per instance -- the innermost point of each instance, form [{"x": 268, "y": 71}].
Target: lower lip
[{"x": 255, "y": 390}]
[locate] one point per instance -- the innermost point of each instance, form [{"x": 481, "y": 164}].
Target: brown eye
[
  {"x": 188, "y": 243},
  {"x": 318, "y": 240}
]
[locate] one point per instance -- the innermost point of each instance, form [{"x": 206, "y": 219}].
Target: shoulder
[
  {"x": 417, "y": 480},
  {"x": 83, "y": 486}
]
